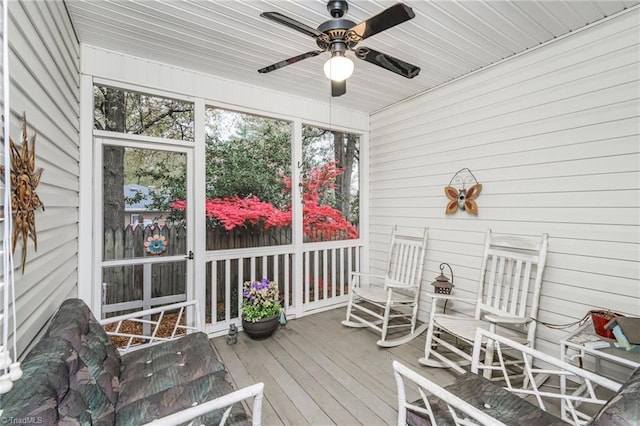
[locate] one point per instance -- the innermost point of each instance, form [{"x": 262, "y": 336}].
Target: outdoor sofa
[
  {"x": 76, "y": 375},
  {"x": 476, "y": 397}
]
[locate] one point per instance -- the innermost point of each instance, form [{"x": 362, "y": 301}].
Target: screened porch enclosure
[
  {"x": 281, "y": 202},
  {"x": 552, "y": 133}
]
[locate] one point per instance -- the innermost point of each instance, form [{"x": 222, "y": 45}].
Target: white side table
[{"x": 583, "y": 343}]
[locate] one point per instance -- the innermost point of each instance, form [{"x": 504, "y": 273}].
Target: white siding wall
[
  {"x": 553, "y": 136},
  {"x": 44, "y": 71}
]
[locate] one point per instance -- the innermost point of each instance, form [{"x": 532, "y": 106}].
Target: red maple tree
[{"x": 321, "y": 222}]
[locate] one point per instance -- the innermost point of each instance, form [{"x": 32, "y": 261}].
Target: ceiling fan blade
[
  {"x": 338, "y": 88},
  {"x": 290, "y": 61},
  {"x": 390, "y": 63},
  {"x": 293, "y": 24},
  {"x": 384, "y": 20}
]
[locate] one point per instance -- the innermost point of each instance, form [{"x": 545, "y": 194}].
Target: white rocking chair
[
  {"x": 506, "y": 302},
  {"x": 390, "y": 301}
]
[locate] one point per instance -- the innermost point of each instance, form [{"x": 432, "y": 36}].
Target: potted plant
[{"x": 260, "y": 308}]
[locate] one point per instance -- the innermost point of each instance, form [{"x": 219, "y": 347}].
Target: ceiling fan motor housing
[
  {"x": 336, "y": 29},
  {"x": 337, "y": 8}
]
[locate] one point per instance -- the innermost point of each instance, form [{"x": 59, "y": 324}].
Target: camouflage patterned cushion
[
  {"x": 86, "y": 397},
  {"x": 56, "y": 387},
  {"x": 73, "y": 410},
  {"x": 184, "y": 396},
  {"x": 154, "y": 369},
  {"x": 44, "y": 382},
  {"x": 73, "y": 377},
  {"x": 75, "y": 323},
  {"x": 623, "y": 409},
  {"x": 494, "y": 400}
]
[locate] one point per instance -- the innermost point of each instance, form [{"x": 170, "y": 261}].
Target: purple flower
[{"x": 259, "y": 285}]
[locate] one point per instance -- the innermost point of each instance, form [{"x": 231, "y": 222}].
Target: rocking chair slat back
[
  {"x": 406, "y": 260},
  {"x": 507, "y": 287}
]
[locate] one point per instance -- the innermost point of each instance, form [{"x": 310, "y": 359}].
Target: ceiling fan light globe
[{"x": 338, "y": 68}]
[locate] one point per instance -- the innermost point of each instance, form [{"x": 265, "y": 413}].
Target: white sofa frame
[
  {"x": 193, "y": 323},
  {"x": 538, "y": 367}
]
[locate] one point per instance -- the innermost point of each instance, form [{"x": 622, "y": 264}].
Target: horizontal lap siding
[
  {"x": 553, "y": 136},
  {"x": 44, "y": 72}
]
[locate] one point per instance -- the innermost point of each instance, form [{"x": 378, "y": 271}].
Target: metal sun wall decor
[
  {"x": 464, "y": 197},
  {"x": 24, "y": 199}
]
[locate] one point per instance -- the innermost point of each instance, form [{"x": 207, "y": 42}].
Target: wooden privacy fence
[
  {"x": 126, "y": 283},
  {"x": 219, "y": 238},
  {"x": 128, "y": 242}
]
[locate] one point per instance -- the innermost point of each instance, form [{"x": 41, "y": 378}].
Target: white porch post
[
  {"x": 296, "y": 203},
  {"x": 199, "y": 241},
  {"x": 86, "y": 288}
]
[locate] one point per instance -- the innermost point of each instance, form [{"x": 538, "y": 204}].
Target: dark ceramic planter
[{"x": 260, "y": 329}]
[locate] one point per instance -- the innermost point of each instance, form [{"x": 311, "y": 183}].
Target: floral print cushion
[
  {"x": 494, "y": 400},
  {"x": 623, "y": 409},
  {"x": 184, "y": 396},
  {"x": 157, "y": 368}
]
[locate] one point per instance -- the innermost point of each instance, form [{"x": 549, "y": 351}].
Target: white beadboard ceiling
[{"x": 229, "y": 39}]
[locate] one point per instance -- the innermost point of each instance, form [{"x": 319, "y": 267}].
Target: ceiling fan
[{"x": 339, "y": 35}]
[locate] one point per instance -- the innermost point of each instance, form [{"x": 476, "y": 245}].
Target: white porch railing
[{"x": 314, "y": 279}]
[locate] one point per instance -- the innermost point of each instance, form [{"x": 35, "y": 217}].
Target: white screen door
[{"x": 144, "y": 236}]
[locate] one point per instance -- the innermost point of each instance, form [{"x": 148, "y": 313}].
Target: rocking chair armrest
[
  {"x": 398, "y": 285},
  {"x": 356, "y": 282},
  {"x": 507, "y": 320},
  {"x": 437, "y": 296},
  {"x": 364, "y": 274}
]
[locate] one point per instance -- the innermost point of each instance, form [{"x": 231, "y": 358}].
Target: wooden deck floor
[{"x": 316, "y": 371}]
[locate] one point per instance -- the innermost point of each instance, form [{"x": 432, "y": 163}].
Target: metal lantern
[{"x": 442, "y": 284}]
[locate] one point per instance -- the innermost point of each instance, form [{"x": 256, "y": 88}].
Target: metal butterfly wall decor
[{"x": 463, "y": 198}]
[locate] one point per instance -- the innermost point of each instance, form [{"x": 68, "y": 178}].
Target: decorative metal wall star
[{"x": 24, "y": 199}]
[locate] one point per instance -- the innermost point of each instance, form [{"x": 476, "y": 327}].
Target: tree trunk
[
  {"x": 113, "y": 161},
  {"x": 345, "y": 151}
]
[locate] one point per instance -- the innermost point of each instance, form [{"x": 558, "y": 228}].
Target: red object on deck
[{"x": 600, "y": 319}]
